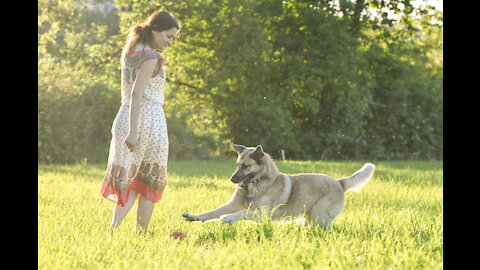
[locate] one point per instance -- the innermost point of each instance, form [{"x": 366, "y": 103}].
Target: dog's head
[{"x": 250, "y": 163}]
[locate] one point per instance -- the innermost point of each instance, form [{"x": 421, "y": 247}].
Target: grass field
[{"x": 396, "y": 222}]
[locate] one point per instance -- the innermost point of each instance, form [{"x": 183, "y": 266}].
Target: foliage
[
  {"x": 72, "y": 116},
  {"x": 319, "y": 79},
  {"x": 396, "y": 221}
]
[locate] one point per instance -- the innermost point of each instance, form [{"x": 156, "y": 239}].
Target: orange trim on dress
[
  {"x": 142, "y": 189},
  {"x": 135, "y": 54}
]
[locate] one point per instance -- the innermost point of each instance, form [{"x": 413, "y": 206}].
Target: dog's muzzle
[
  {"x": 238, "y": 177},
  {"x": 241, "y": 181},
  {"x": 235, "y": 179}
]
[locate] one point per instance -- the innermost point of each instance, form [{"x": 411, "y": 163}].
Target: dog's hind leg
[{"x": 324, "y": 211}]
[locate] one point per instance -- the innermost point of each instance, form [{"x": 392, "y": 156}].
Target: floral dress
[{"x": 143, "y": 170}]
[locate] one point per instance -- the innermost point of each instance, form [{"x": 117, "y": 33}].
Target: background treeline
[{"x": 321, "y": 79}]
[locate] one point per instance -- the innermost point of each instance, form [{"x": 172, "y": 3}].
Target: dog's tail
[{"x": 359, "y": 179}]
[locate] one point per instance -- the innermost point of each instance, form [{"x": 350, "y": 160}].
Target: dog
[{"x": 262, "y": 190}]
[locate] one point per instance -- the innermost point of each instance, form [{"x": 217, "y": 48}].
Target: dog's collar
[
  {"x": 253, "y": 182},
  {"x": 245, "y": 183}
]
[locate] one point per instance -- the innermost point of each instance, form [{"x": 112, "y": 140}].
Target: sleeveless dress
[{"x": 144, "y": 169}]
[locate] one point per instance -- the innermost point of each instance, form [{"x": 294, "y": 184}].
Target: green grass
[{"x": 396, "y": 221}]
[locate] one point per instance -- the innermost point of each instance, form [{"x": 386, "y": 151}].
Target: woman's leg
[
  {"x": 144, "y": 213},
  {"x": 121, "y": 211}
]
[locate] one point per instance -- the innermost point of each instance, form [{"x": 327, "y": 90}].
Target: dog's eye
[{"x": 245, "y": 166}]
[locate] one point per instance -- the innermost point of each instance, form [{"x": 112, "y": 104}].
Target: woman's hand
[{"x": 131, "y": 141}]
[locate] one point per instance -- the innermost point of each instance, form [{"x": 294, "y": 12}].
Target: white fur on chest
[{"x": 263, "y": 198}]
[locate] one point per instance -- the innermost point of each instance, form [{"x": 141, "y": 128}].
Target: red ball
[{"x": 177, "y": 235}]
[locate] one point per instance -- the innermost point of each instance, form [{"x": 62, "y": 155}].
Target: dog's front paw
[
  {"x": 186, "y": 216},
  {"x": 230, "y": 218}
]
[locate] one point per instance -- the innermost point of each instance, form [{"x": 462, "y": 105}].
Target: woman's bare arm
[{"x": 141, "y": 82}]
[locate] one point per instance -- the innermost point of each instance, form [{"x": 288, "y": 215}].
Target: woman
[{"x": 137, "y": 163}]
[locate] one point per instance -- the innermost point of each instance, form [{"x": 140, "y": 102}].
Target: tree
[{"x": 320, "y": 79}]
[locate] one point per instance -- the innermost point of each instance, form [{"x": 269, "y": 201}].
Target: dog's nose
[{"x": 234, "y": 179}]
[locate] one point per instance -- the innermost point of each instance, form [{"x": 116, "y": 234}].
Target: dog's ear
[
  {"x": 258, "y": 154},
  {"x": 238, "y": 148}
]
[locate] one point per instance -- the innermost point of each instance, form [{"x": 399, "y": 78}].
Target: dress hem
[{"x": 142, "y": 189}]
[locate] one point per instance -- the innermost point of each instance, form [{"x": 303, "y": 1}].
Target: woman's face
[{"x": 161, "y": 40}]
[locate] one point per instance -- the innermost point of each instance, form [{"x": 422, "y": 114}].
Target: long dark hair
[{"x": 142, "y": 32}]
